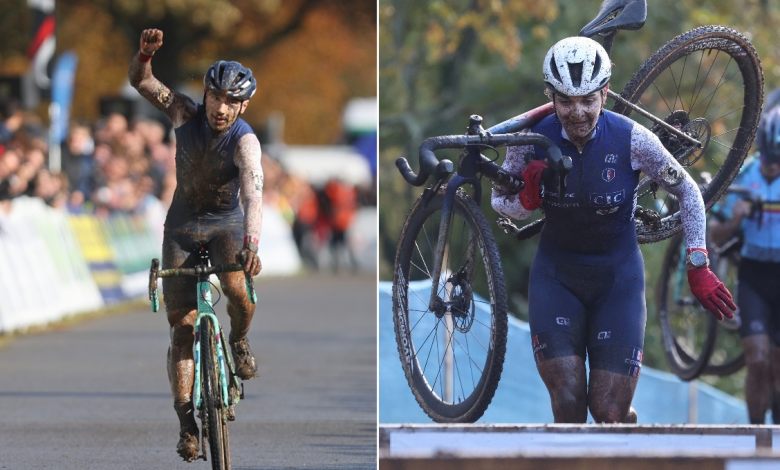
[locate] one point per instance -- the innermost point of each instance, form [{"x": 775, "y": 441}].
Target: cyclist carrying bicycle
[
  {"x": 586, "y": 291},
  {"x": 759, "y": 268},
  {"x": 217, "y": 163}
]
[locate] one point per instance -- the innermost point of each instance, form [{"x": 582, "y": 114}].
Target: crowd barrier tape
[{"x": 54, "y": 264}]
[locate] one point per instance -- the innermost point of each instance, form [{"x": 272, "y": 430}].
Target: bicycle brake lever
[
  {"x": 250, "y": 289},
  {"x": 506, "y": 225},
  {"x": 153, "y": 272}
]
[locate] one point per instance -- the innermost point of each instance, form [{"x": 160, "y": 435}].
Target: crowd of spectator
[{"x": 121, "y": 166}]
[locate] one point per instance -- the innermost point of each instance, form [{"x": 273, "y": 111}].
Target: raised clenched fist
[{"x": 151, "y": 40}]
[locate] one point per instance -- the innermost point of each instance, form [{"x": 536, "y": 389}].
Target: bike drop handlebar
[
  {"x": 198, "y": 271},
  {"x": 430, "y": 164}
]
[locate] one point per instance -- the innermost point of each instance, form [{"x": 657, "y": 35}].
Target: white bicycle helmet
[{"x": 577, "y": 66}]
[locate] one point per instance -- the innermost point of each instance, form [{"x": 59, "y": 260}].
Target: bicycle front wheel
[
  {"x": 707, "y": 82},
  {"x": 451, "y": 331},
  {"x": 213, "y": 417},
  {"x": 687, "y": 329}
]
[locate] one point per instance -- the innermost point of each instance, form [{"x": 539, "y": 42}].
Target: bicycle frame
[{"x": 206, "y": 313}]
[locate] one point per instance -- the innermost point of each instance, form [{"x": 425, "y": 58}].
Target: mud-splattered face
[
  {"x": 579, "y": 114},
  {"x": 222, "y": 110}
]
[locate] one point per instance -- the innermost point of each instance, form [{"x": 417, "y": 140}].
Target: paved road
[{"x": 94, "y": 395}]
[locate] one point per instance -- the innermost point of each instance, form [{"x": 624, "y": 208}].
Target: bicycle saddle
[{"x": 617, "y": 14}]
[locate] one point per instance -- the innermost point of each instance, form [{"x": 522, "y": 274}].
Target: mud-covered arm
[
  {"x": 508, "y": 204},
  {"x": 250, "y": 172},
  {"x": 650, "y": 156},
  {"x": 179, "y": 108}
]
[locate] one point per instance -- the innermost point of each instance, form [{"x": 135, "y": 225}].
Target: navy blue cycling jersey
[
  {"x": 206, "y": 175},
  {"x": 599, "y": 201}
]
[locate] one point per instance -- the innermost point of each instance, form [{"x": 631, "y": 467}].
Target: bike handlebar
[
  {"x": 430, "y": 164},
  {"x": 198, "y": 271}
]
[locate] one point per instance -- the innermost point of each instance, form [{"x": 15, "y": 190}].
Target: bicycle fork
[{"x": 435, "y": 303}]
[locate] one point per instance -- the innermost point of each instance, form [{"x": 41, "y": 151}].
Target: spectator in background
[
  {"x": 758, "y": 278},
  {"x": 341, "y": 205},
  {"x": 11, "y": 118},
  {"x": 307, "y": 210},
  {"x": 78, "y": 161}
]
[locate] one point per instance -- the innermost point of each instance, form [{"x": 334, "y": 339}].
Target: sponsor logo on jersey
[
  {"x": 611, "y": 158},
  {"x": 563, "y": 321},
  {"x": 602, "y": 335},
  {"x": 608, "y": 199},
  {"x": 608, "y": 174},
  {"x": 611, "y": 210},
  {"x": 635, "y": 362}
]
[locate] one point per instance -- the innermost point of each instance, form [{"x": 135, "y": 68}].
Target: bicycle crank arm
[{"x": 655, "y": 119}]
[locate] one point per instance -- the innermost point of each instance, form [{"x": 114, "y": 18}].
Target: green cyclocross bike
[{"x": 216, "y": 389}]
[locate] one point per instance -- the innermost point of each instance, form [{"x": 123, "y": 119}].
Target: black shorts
[
  {"x": 591, "y": 306},
  {"x": 758, "y": 299},
  {"x": 222, "y": 235}
]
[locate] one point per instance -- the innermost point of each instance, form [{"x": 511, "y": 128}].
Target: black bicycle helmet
[
  {"x": 232, "y": 78},
  {"x": 769, "y": 136}
]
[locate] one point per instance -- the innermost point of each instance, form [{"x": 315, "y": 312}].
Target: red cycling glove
[
  {"x": 712, "y": 294},
  {"x": 531, "y": 194}
]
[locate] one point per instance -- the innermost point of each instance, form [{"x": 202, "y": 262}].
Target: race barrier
[
  {"x": 54, "y": 264},
  {"x": 576, "y": 446}
]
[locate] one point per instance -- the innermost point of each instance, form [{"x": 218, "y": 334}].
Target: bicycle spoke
[{"x": 452, "y": 369}]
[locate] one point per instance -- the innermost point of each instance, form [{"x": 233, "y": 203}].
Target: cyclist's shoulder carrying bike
[
  {"x": 216, "y": 389},
  {"x": 449, "y": 297}
]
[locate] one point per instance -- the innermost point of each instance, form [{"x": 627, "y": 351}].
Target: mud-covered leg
[
  {"x": 224, "y": 248},
  {"x": 241, "y": 312},
  {"x": 566, "y": 382},
  {"x": 181, "y": 368},
  {"x": 179, "y": 295},
  {"x": 610, "y": 395},
  {"x": 758, "y": 378},
  {"x": 775, "y": 384}
]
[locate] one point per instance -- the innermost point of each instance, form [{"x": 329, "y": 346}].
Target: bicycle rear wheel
[
  {"x": 452, "y": 352},
  {"x": 727, "y": 355},
  {"x": 213, "y": 418},
  {"x": 709, "y": 83},
  {"x": 687, "y": 329}
]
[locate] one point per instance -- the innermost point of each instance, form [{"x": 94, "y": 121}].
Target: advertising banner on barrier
[{"x": 99, "y": 256}]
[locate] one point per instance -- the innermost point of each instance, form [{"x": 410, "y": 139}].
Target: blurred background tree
[
  {"x": 441, "y": 61},
  {"x": 310, "y": 56}
]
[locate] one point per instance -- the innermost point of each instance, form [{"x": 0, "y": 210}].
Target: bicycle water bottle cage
[{"x": 617, "y": 14}]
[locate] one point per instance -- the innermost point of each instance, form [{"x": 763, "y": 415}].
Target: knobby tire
[
  {"x": 471, "y": 326},
  {"x": 214, "y": 416}
]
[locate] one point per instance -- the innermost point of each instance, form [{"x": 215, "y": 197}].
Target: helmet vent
[
  {"x": 575, "y": 72},
  {"x": 554, "y": 69},
  {"x": 596, "y": 67}
]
